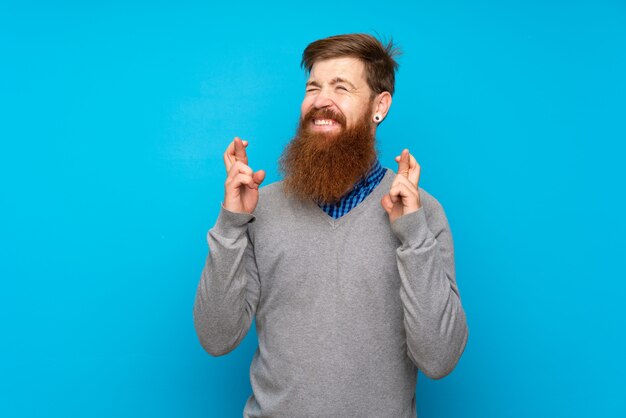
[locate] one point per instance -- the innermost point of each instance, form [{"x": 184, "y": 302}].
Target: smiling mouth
[{"x": 324, "y": 122}]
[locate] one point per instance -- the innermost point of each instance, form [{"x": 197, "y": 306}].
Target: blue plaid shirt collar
[{"x": 359, "y": 192}]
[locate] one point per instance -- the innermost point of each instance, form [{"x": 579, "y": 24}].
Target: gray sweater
[{"x": 346, "y": 309}]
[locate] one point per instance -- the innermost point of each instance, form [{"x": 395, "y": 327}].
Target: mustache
[{"x": 324, "y": 113}]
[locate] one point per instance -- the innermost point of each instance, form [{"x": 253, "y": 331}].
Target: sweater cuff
[
  {"x": 232, "y": 224},
  {"x": 411, "y": 229}
]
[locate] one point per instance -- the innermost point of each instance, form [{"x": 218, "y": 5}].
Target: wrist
[
  {"x": 232, "y": 224},
  {"x": 233, "y": 204}
]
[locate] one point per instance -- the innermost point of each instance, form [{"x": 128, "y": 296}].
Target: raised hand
[
  {"x": 241, "y": 189},
  {"x": 403, "y": 197}
]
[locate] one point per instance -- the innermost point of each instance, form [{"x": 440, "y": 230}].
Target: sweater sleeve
[
  {"x": 434, "y": 319},
  {"x": 228, "y": 292}
]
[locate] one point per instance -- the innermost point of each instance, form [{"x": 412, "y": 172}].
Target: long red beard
[{"x": 323, "y": 167}]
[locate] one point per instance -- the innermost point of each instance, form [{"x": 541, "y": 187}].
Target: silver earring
[{"x": 377, "y": 118}]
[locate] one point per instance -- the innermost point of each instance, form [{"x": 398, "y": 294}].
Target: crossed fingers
[
  {"x": 236, "y": 163},
  {"x": 408, "y": 167},
  {"x": 240, "y": 174},
  {"x": 236, "y": 151},
  {"x": 402, "y": 190}
]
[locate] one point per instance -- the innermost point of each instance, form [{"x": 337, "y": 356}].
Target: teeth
[{"x": 320, "y": 122}]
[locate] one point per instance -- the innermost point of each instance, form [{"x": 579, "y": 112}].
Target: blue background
[{"x": 114, "y": 118}]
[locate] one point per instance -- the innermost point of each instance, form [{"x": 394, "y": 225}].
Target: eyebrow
[
  {"x": 334, "y": 81},
  {"x": 341, "y": 80}
]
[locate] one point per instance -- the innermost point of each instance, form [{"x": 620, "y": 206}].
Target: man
[{"x": 347, "y": 266}]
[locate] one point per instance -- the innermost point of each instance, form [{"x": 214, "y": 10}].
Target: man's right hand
[{"x": 241, "y": 190}]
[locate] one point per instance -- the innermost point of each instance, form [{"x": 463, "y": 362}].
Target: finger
[
  {"x": 239, "y": 167},
  {"x": 394, "y": 195},
  {"x": 231, "y": 147},
  {"x": 387, "y": 204},
  {"x": 403, "y": 164},
  {"x": 414, "y": 171},
  {"x": 401, "y": 192},
  {"x": 228, "y": 160},
  {"x": 240, "y": 180},
  {"x": 240, "y": 151},
  {"x": 400, "y": 179},
  {"x": 405, "y": 196},
  {"x": 229, "y": 155},
  {"x": 259, "y": 176}
]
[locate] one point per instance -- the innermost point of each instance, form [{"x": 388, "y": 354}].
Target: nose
[{"x": 322, "y": 100}]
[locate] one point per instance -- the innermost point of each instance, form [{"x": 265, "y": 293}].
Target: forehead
[{"x": 348, "y": 68}]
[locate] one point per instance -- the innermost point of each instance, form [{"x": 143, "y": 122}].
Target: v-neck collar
[
  {"x": 357, "y": 194},
  {"x": 375, "y": 195}
]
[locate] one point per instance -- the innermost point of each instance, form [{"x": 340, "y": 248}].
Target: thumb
[
  {"x": 387, "y": 204},
  {"x": 259, "y": 176}
]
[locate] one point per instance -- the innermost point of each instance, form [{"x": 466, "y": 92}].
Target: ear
[{"x": 382, "y": 103}]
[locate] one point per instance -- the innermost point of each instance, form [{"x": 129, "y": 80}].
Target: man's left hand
[{"x": 403, "y": 197}]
